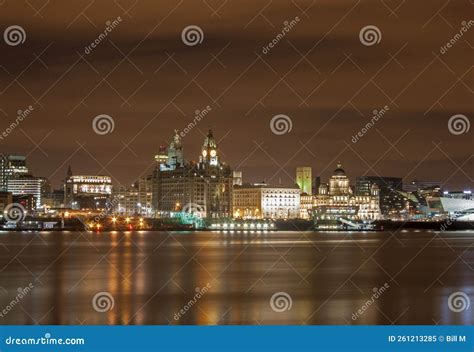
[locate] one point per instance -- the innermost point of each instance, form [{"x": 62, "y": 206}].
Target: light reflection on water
[{"x": 152, "y": 276}]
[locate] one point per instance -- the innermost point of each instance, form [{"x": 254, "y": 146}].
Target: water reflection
[{"x": 158, "y": 277}]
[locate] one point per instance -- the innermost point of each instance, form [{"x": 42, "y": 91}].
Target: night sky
[{"x": 320, "y": 74}]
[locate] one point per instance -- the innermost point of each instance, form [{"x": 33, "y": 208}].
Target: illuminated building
[
  {"x": 261, "y": 201},
  {"x": 87, "y": 191},
  {"x": 203, "y": 189},
  {"x": 304, "y": 179},
  {"x": 306, "y": 206},
  {"x": 461, "y": 209},
  {"x": 336, "y": 202},
  {"x": 27, "y": 185},
  {"x": 11, "y": 166},
  {"x": 136, "y": 200},
  {"x": 391, "y": 202}
]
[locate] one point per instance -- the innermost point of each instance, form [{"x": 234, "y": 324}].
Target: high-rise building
[
  {"x": 203, "y": 188},
  {"x": 136, "y": 200},
  {"x": 389, "y": 187},
  {"x": 24, "y": 185},
  {"x": 261, "y": 201},
  {"x": 304, "y": 179},
  {"x": 11, "y": 166}
]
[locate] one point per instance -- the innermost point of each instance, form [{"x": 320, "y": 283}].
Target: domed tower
[
  {"x": 339, "y": 182},
  {"x": 209, "y": 156}
]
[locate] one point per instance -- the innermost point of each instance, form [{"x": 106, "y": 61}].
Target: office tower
[
  {"x": 304, "y": 179},
  {"x": 11, "y": 166}
]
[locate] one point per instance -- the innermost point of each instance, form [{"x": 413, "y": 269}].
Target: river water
[{"x": 146, "y": 277}]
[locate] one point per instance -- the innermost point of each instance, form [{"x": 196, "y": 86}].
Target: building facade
[
  {"x": 27, "y": 185},
  {"x": 391, "y": 201},
  {"x": 337, "y": 199},
  {"x": 87, "y": 191},
  {"x": 203, "y": 189},
  {"x": 136, "y": 200},
  {"x": 261, "y": 201},
  {"x": 11, "y": 167}
]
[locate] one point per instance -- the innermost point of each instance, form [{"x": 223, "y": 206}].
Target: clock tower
[{"x": 209, "y": 155}]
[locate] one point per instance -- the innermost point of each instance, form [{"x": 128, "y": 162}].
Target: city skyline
[
  {"x": 150, "y": 82},
  {"x": 246, "y": 180}
]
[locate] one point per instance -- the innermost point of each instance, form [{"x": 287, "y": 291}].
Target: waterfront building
[
  {"x": 460, "y": 209},
  {"x": 306, "y": 206},
  {"x": 466, "y": 194},
  {"x": 11, "y": 166},
  {"x": 27, "y": 185},
  {"x": 336, "y": 200},
  {"x": 202, "y": 188},
  {"x": 136, "y": 200},
  {"x": 87, "y": 191},
  {"x": 304, "y": 179},
  {"x": 390, "y": 199},
  {"x": 261, "y": 201}
]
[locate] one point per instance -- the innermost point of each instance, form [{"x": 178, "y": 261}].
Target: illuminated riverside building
[
  {"x": 261, "y": 201},
  {"x": 391, "y": 201},
  {"x": 27, "y": 185},
  {"x": 136, "y": 200},
  {"x": 203, "y": 188},
  {"x": 11, "y": 166},
  {"x": 306, "y": 206},
  {"x": 337, "y": 200},
  {"x": 87, "y": 191}
]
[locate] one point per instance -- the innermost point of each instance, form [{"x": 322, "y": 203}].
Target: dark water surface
[{"x": 230, "y": 278}]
